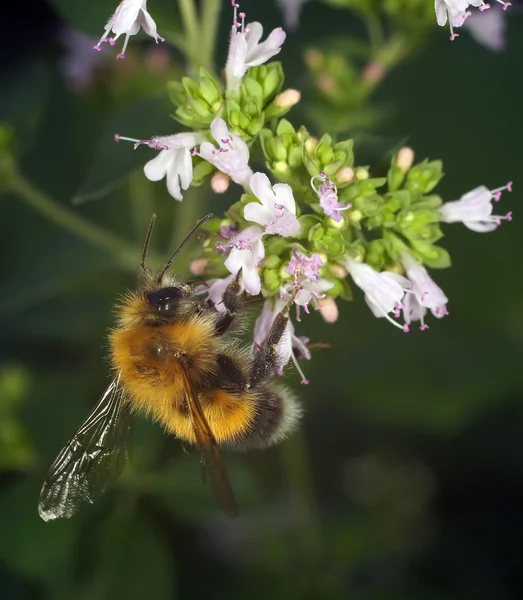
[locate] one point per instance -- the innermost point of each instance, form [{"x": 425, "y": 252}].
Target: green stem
[
  {"x": 375, "y": 32},
  {"x": 141, "y": 202},
  {"x": 184, "y": 218},
  {"x": 210, "y": 23},
  {"x": 126, "y": 254},
  {"x": 296, "y": 463},
  {"x": 191, "y": 31}
]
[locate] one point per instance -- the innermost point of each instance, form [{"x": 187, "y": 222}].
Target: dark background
[{"x": 406, "y": 479}]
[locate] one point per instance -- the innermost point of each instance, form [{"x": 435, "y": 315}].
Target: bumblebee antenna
[
  {"x": 182, "y": 244},
  {"x": 147, "y": 241}
]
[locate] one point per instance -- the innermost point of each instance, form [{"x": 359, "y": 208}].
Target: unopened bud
[
  {"x": 198, "y": 266},
  {"x": 405, "y": 159},
  {"x": 361, "y": 173},
  {"x": 344, "y": 175},
  {"x": 339, "y": 271},
  {"x": 288, "y": 98},
  {"x": 329, "y": 309},
  {"x": 311, "y": 144},
  {"x": 355, "y": 216},
  {"x": 220, "y": 182}
]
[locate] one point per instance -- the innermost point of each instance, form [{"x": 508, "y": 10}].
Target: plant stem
[
  {"x": 184, "y": 219},
  {"x": 191, "y": 31},
  {"x": 296, "y": 463},
  {"x": 127, "y": 255},
  {"x": 210, "y": 23},
  {"x": 141, "y": 202}
]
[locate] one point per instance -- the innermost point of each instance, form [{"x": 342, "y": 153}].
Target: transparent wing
[
  {"x": 92, "y": 458},
  {"x": 211, "y": 457}
]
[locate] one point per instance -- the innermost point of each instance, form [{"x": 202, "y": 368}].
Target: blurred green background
[{"x": 406, "y": 479}]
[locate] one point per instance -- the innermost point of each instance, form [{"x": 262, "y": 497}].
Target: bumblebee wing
[
  {"x": 92, "y": 458},
  {"x": 211, "y": 457}
]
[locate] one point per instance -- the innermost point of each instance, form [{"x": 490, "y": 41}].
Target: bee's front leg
[
  {"x": 233, "y": 300},
  {"x": 267, "y": 360}
]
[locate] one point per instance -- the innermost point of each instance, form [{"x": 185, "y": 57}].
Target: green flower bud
[
  {"x": 271, "y": 280},
  {"x": 270, "y": 77},
  {"x": 245, "y": 116},
  {"x": 202, "y": 170},
  {"x": 283, "y": 151},
  {"x": 327, "y": 240},
  {"x": 271, "y": 262},
  {"x": 424, "y": 177},
  {"x": 375, "y": 255},
  {"x": 198, "y": 103},
  {"x": 399, "y": 200},
  {"x": 369, "y": 206},
  {"x": 434, "y": 257},
  {"x": 325, "y": 156}
]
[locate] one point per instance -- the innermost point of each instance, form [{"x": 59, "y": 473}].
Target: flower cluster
[{"x": 322, "y": 222}]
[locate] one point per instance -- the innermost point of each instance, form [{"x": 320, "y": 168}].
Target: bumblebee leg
[
  {"x": 233, "y": 301},
  {"x": 265, "y": 362}
]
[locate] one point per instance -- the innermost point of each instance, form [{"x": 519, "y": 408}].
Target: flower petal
[
  {"x": 257, "y": 213},
  {"x": 285, "y": 196},
  {"x": 262, "y": 189},
  {"x": 156, "y": 168}
]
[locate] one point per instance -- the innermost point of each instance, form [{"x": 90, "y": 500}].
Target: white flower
[
  {"x": 277, "y": 211},
  {"x": 247, "y": 251},
  {"x": 289, "y": 340},
  {"x": 474, "y": 209},
  {"x": 456, "y": 11},
  {"x": 231, "y": 156},
  {"x": 490, "y": 30},
  {"x": 384, "y": 292},
  {"x": 216, "y": 290},
  {"x": 127, "y": 20},
  {"x": 424, "y": 293},
  {"x": 245, "y": 50},
  {"x": 174, "y": 162}
]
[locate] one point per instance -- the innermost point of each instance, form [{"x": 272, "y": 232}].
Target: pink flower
[{"x": 328, "y": 196}]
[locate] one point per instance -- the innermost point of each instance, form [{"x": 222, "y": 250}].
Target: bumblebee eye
[{"x": 165, "y": 300}]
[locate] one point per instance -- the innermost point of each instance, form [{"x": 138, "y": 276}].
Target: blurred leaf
[
  {"x": 131, "y": 559},
  {"x": 28, "y": 545},
  {"x": 113, "y": 162}
]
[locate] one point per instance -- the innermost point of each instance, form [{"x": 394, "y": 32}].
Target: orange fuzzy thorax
[{"x": 148, "y": 360}]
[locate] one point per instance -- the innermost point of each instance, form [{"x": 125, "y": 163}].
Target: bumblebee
[{"x": 179, "y": 360}]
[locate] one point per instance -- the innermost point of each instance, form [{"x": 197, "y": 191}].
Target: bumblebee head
[{"x": 165, "y": 301}]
